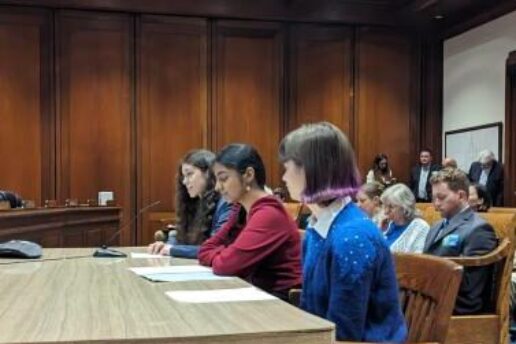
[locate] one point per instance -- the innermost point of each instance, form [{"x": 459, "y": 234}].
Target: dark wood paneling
[
  {"x": 172, "y": 106},
  {"x": 510, "y": 132},
  {"x": 95, "y": 63},
  {"x": 384, "y": 115},
  {"x": 26, "y": 130},
  {"x": 248, "y": 89},
  {"x": 364, "y": 12},
  {"x": 62, "y": 227},
  {"x": 431, "y": 98},
  {"x": 321, "y": 76}
]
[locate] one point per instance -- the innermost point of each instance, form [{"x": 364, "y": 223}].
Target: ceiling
[{"x": 444, "y": 17}]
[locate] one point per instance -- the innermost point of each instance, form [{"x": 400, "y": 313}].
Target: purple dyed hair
[{"x": 328, "y": 159}]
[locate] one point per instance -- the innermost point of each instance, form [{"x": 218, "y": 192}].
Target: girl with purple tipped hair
[{"x": 348, "y": 272}]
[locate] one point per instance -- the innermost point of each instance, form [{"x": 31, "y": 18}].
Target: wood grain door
[
  {"x": 172, "y": 105},
  {"x": 385, "y": 118},
  {"x": 321, "y": 76},
  {"x": 26, "y": 118},
  {"x": 510, "y": 132},
  {"x": 95, "y": 113},
  {"x": 248, "y": 88}
]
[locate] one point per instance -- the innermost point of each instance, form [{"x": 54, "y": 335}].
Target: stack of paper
[{"x": 177, "y": 273}]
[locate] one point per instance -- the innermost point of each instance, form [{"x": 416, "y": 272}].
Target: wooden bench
[
  {"x": 428, "y": 289},
  {"x": 492, "y": 327}
]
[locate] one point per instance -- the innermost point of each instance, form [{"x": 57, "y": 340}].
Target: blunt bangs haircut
[
  {"x": 240, "y": 156},
  {"x": 328, "y": 159}
]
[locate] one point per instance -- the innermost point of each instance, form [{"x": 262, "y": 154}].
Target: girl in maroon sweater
[{"x": 263, "y": 247}]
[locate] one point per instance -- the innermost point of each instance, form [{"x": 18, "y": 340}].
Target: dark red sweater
[{"x": 266, "y": 252}]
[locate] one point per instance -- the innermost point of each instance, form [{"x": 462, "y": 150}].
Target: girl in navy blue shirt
[{"x": 348, "y": 272}]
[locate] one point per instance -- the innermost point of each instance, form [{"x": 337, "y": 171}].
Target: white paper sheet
[
  {"x": 219, "y": 295},
  {"x": 138, "y": 255},
  {"x": 177, "y": 273},
  {"x": 178, "y": 269},
  {"x": 187, "y": 276}
]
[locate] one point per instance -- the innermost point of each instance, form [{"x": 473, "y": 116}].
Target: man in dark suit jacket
[
  {"x": 422, "y": 189},
  {"x": 489, "y": 173},
  {"x": 461, "y": 233}
]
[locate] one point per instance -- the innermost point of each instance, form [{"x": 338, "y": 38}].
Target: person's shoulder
[
  {"x": 358, "y": 245},
  {"x": 475, "y": 164},
  {"x": 420, "y": 223},
  {"x": 223, "y": 205},
  {"x": 267, "y": 209},
  {"x": 479, "y": 221},
  {"x": 472, "y": 222},
  {"x": 352, "y": 222}
]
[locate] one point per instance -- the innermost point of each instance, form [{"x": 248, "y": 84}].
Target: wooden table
[
  {"x": 59, "y": 299},
  {"x": 62, "y": 227}
]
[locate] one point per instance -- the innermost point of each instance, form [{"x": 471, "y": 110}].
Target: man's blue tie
[{"x": 443, "y": 226}]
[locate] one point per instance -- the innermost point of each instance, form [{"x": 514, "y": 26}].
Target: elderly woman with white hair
[{"x": 406, "y": 231}]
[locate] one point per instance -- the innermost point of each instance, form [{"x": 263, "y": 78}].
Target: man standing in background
[
  {"x": 489, "y": 173},
  {"x": 420, "y": 176}
]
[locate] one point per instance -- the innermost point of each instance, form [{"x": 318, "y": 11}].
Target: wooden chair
[
  {"x": 430, "y": 215},
  {"x": 424, "y": 206},
  {"x": 491, "y": 327},
  {"x": 428, "y": 288},
  {"x": 293, "y": 209},
  {"x": 504, "y": 223},
  {"x": 157, "y": 226},
  {"x": 494, "y": 326},
  {"x": 502, "y": 210}
]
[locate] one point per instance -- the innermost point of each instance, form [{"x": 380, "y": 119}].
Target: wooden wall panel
[
  {"x": 172, "y": 107},
  {"x": 321, "y": 76},
  {"x": 384, "y": 117},
  {"x": 26, "y": 130},
  {"x": 510, "y": 131},
  {"x": 431, "y": 119},
  {"x": 248, "y": 89},
  {"x": 95, "y": 63}
]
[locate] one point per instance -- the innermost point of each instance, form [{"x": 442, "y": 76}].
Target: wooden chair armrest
[{"x": 498, "y": 253}]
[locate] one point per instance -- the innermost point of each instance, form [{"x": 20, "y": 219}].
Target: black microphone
[{"x": 104, "y": 251}]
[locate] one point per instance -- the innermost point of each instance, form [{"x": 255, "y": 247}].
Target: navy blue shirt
[
  {"x": 349, "y": 279},
  {"x": 220, "y": 217}
]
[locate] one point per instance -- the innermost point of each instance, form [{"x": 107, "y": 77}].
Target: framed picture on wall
[{"x": 464, "y": 144}]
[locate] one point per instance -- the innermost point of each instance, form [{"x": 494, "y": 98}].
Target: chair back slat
[{"x": 428, "y": 289}]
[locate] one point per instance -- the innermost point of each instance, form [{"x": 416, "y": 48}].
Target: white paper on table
[
  {"x": 178, "y": 269},
  {"x": 187, "y": 276},
  {"x": 177, "y": 273},
  {"x": 138, "y": 255},
  {"x": 219, "y": 295}
]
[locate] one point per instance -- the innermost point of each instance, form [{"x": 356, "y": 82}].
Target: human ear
[{"x": 249, "y": 175}]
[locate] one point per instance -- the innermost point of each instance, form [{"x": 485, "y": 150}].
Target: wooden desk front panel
[
  {"x": 97, "y": 299},
  {"x": 62, "y": 227}
]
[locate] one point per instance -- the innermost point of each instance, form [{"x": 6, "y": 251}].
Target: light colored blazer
[{"x": 412, "y": 240}]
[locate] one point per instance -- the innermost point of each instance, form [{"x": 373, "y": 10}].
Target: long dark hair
[
  {"x": 240, "y": 156},
  {"x": 483, "y": 194},
  {"x": 195, "y": 215}
]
